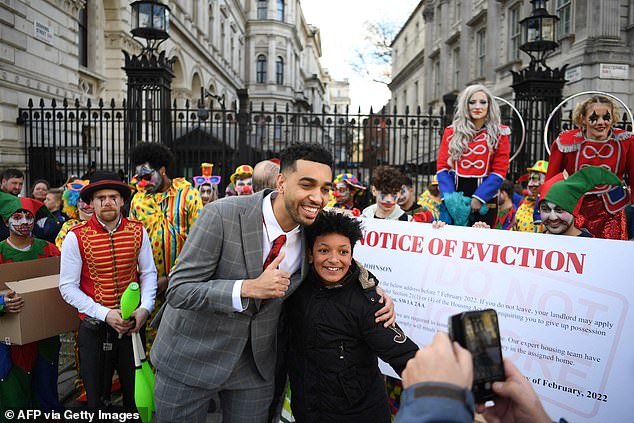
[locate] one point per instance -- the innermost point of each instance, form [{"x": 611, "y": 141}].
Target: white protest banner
[{"x": 562, "y": 303}]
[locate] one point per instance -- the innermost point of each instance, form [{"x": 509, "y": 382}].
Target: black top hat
[{"x": 104, "y": 180}]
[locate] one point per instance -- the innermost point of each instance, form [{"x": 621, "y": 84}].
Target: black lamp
[
  {"x": 151, "y": 21},
  {"x": 539, "y": 33}
]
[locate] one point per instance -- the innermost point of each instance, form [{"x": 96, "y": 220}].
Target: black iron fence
[{"x": 76, "y": 135}]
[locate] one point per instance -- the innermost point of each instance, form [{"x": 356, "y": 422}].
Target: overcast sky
[{"x": 341, "y": 23}]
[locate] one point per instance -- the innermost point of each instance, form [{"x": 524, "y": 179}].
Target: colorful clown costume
[
  {"x": 602, "y": 208},
  {"x": 28, "y": 373}
]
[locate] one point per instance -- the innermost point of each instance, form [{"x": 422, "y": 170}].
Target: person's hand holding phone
[
  {"x": 440, "y": 361},
  {"x": 516, "y": 400}
]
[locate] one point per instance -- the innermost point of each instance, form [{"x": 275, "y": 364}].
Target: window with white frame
[
  {"x": 436, "y": 79},
  {"x": 279, "y": 70},
  {"x": 564, "y": 11},
  {"x": 260, "y": 69},
  {"x": 481, "y": 52},
  {"x": 280, "y": 10},
  {"x": 456, "y": 11},
  {"x": 263, "y": 9},
  {"x": 210, "y": 29},
  {"x": 515, "y": 32},
  {"x": 455, "y": 63}
]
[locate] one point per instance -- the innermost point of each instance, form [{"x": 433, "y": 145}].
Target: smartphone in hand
[{"x": 478, "y": 332}]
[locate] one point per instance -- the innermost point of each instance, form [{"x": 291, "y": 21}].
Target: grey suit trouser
[{"x": 244, "y": 398}]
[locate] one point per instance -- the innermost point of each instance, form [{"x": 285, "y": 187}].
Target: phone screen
[{"x": 482, "y": 339}]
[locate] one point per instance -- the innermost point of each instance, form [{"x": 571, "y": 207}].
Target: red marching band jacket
[
  {"x": 572, "y": 151},
  {"x": 478, "y": 161},
  {"x": 109, "y": 260}
]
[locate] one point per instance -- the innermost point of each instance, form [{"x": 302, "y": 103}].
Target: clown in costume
[
  {"x": 347, "y": 193},
  {"x": 100, "y": 258},
  {"x": 207, "y": 184},
  {"x": 597, "y": 143},
  {"x": 527, "y": 216},
  {"x": 430, "y": 200},
  {"x": 28, "y": 373},
  {"x": 242, "y": 180},
  {"x": 166, "y": 207},
  {"x": 76, "y": 210},
  {"x": 474, "y": 152},
  {"x": 560, "y": 197}
]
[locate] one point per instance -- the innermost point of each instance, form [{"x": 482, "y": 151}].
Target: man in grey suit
[{"x": 219, "y": 326}]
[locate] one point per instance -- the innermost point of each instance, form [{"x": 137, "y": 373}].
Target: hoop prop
[
  {"x": 613, "y": 97},
  {"x": 519, "y": 116}
]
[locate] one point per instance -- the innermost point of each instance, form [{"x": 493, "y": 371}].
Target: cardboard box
[{"x": 45, "y": 312}]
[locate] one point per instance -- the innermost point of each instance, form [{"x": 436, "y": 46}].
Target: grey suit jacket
[{"x": 201, "y": 336}]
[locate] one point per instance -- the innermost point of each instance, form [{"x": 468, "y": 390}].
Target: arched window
[
  {"x": 279, "y": 71},
  {"x": 260, "y": 77},
  {"x": 280, "y": 10},
  {"x": 262, "y": 9}
]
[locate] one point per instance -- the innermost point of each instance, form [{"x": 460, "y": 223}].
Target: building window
[
  {"x": 416, "y": 98},
  {"x": 83, "y": 37},
  {"x": 564, "y": 10},
  {"x": 211, "y": 23},
  {"x": 438, "y": 26},
  {"x": 280, "y": 10},
  {"x": 455, "y": 62},
  {"x": 436, "y": 80},
  {"x": 514, "y": 32},
  {"x": 404, "y": 102},
  {"x": 481, "y": 49},
  {"x": 223, "y": 39},
  {"x": 279, "y": 71},
  {"x": 456, "y": 12},
  {"x": 262, "y": 9},
  {"x": 261, "y": 69}
]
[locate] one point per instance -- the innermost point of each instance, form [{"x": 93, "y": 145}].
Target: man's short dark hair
[
  {"x": 331, "y": 222},
  {"x": 154, "y": 153},
  {"x": 407, "y": 181},
  {"x": 12, "y": 173},
  {"x": 304, "y": 151},
  {"x": 508, "y": 187},
  {"x": 387, "y": 179}
]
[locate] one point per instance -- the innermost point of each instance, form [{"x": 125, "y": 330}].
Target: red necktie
[{"x": 275, "y": 250}]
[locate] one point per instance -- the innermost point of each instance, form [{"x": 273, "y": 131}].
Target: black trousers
[{"x": 98, "y": 363}]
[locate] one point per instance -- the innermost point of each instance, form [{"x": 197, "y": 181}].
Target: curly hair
[
  {"x": 463, "y": 128},
  {"x": 156, "y": 154},
  {"x": 303, "y": 151},
  {"x": 332, "y": 222},
  {"x": 387, "y": 179},
  {"x": 582, "y": 108}
]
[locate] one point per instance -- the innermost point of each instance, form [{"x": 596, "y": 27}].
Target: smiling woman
[
  {"x": 596, "y": 142},
  {"x": 474, "y": 152}
]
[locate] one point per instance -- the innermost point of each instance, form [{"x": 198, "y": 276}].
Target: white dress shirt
[
  {"x": 271, "y": 230},
  {"x": 70, "y": 274}
]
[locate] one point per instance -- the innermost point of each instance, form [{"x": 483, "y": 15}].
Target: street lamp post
[
  {"x": 538, "y": 88},
  {"x": 149, "y": 76}
]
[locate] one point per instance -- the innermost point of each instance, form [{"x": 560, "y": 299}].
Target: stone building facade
[
  {"x": 72, "y": 49},
  {"x": 446, "y": 45}
]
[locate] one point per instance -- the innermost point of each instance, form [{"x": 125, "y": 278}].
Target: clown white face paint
[
  {"x": 555, "y": 219},
  {"x": 150, "y": 179},
  {"x": 385, "y": 203},
  {"x": 404, "y": 195},
  {"x": 243, "y": 186},
  {"x": 21, "y": 223},
  {"x": 535, "y": 180},
  {"x": 342, "y": 193}
]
